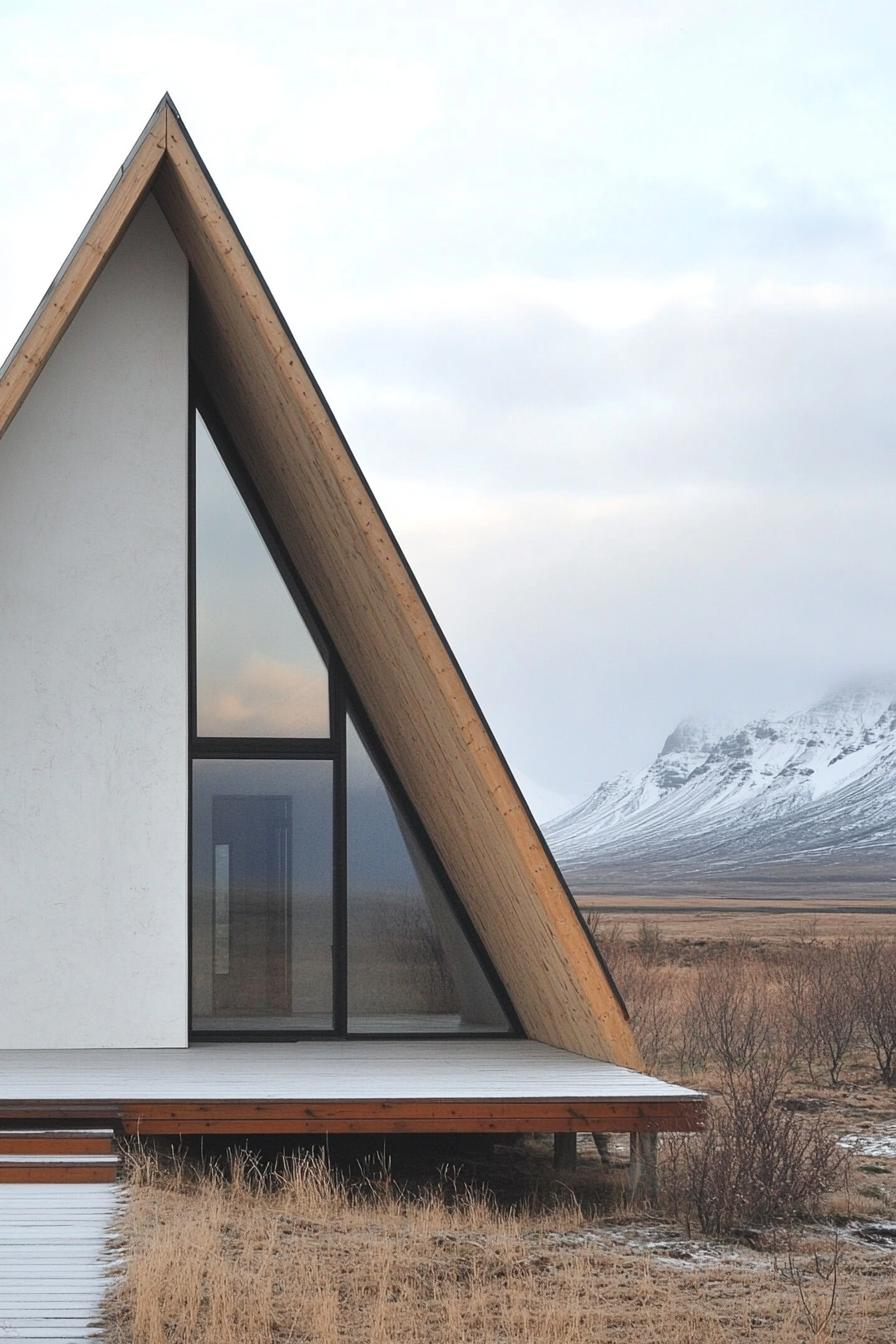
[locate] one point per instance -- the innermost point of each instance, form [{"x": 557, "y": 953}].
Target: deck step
[
  {"x": 51, "y": 1154},
  {"x": 54, "y": 1141},
  {"x": 57, "y": 1168}
]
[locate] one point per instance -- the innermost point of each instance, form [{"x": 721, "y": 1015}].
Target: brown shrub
[
  {"x": 836, "y": 1008},
  {"x": 736, "y": 1017},
  {"x": 819, "y": 1005},
  {"x": 874, "y": 974},
  {"x": 756, "y": 1163},
  {"x": 658, "y": 993},
  {"x": 799, "y": 986}
]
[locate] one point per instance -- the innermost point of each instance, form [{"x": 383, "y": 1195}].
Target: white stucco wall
[{"x": 93, "y": 670}]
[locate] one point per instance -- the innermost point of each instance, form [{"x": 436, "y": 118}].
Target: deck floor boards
[
  {"x": 55, "y": 1260},
  {"x": 325, "y": 1070}
]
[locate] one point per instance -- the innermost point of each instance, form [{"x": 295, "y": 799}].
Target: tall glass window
[
  {"x": 316, "y": 907},
  {"x": 410, "y": 965},
  {"x": 258, "y": 670}
]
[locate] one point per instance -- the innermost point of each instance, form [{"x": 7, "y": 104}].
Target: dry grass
[{"x": 307, "y": 1257}]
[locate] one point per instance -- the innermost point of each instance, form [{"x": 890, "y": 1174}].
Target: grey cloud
[
  {"x": 595, "y": 637},
  {"x": 801, "y": 397}
]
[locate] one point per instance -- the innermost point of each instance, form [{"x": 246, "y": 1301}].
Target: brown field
[
  {"x": 716, "y": 919},
  {"x": 489, "y": 1244},
  {"x": 828, "y": 884}
]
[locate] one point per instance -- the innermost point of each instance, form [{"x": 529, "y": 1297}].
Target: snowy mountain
[{"x": 816, "y": 789}]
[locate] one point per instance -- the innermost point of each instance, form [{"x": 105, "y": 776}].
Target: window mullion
[{"x": 340, "y": 857}]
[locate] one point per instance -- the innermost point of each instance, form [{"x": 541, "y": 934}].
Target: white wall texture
[{"x": 93, "y": 670}]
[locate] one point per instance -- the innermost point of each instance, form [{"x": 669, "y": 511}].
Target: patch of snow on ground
[
  {"x": 875, "y": 1234},
  {"x": 673, "y": 1248},
  {"x": 880, "y": 1144},
  {"x": 666, "y": 1245}
]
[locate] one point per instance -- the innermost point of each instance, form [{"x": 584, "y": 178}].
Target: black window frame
[{"x": 342, "y": 700}]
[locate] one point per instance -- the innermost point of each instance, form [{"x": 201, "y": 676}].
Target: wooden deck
[
  {"x": 317, "y": 1087},
  {"x": 55, "y": 1261}
]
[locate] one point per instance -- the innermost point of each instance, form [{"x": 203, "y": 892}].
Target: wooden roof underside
[{"x": 362, "y": 588}]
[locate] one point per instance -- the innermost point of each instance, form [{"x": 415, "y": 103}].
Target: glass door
[{"x": 252, "y": 849}]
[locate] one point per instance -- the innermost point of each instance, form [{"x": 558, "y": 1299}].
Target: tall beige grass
[{"x": 307, "y": 1257}]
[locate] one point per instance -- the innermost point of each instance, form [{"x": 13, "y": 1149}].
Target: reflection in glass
[
  {"x": 410, "y": 966},
  {"x": 258, "y": 670},
  {"x": 222, "y": 909},
  {"x": 262, "y": 895}
]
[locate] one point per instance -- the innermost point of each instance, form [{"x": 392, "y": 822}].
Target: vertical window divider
[
  {"x": 191, "y": 668},
  {"x": 340, "y": 852}
]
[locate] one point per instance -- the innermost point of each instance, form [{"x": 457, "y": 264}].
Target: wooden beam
[
  {"x": 56, "y": 1142},
  {"x": 373, "y": 1116},
  {"x": 385, "y": 634},
  {"x": 82, "y": 268},
  {"x": 37, "y": 1173}
]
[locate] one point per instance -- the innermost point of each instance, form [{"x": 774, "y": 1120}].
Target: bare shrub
[
  {"x": 649, "y": 941},
  {"x": 823, "y": 993},
  {"x": 733, "y": 1016},
  {"x": 836, "y": 1006},
  {"x": 807, "y": 1002},
  {"x": 800, "y": 993},
  {"x": 655, "y": 990},
  {"x": 647, "y": 993},
  {"x": 874, "y": 975},
  {"x": 816, "y": 1287},
  {"x": 756, "y": 1163}
]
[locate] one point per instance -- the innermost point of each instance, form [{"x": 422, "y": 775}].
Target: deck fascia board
[
  {"x": 381, "y": 1117},
  {"x": 375, "y": 1087}
]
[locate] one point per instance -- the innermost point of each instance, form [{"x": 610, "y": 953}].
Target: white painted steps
[
  {"x": 56, "y": 1261},
  {"x": 57, "y": 1156}
]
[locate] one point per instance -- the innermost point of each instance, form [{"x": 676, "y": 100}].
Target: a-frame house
[{"x": 262, "y": 864}]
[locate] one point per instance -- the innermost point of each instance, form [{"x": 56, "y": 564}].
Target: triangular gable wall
[{"x": 359, "y": 582}]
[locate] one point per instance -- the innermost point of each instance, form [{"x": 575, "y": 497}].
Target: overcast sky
[{"x": 603, "y": 295}]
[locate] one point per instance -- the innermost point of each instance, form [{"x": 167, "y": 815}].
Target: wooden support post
[
  {"x": 602, "y": 1145},
  {"x": 643, "y": 1179},
  {"x": 565, "y": 1151},
  {"x": 649, "y": 1143},
  {"x": 635, "y": 1167}
]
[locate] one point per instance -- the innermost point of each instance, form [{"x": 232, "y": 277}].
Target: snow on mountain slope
[{"x": 816, "y": 783}]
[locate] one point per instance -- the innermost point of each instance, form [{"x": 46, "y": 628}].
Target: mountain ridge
[{"x": 815, "y": 787}]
